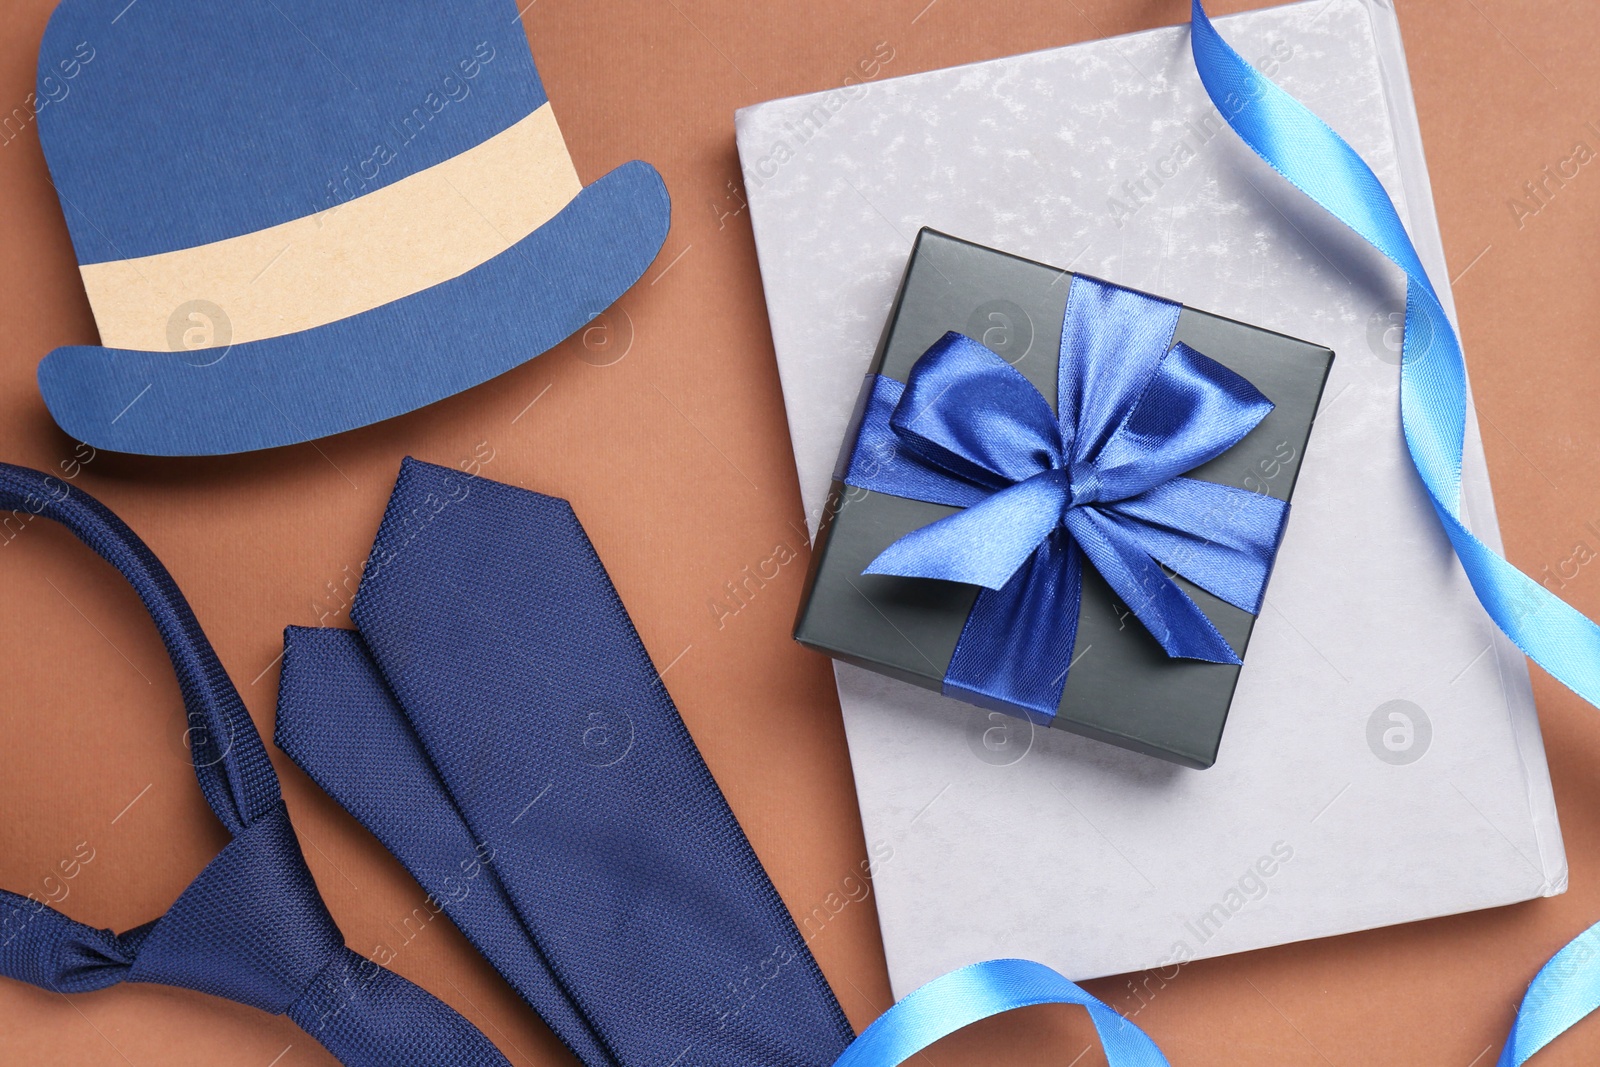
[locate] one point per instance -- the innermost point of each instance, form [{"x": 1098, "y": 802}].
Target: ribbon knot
[
  {"x": 250, "y": 928},
  {"x": 1100, "y": 476}
]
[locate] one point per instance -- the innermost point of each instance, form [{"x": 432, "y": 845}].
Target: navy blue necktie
[
  {"x": 251, "y": 927},
  {"x": 498, "y": 725}
]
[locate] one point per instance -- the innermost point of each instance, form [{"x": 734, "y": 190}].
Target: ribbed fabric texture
[
  {"x": 339, "y": 722},
  {"x": 499, "y": 726},
  {"x": 252, "y": 926}
]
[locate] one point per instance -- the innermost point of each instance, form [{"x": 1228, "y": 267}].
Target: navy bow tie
[
  {"x": 251, "y": 927},
  {"x": 498, "y": 725}
]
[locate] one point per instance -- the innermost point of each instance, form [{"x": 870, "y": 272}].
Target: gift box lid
[{"x": 1121, "y": 688}]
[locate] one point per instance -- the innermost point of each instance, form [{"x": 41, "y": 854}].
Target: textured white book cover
[{"x": 1382, "y": 760}]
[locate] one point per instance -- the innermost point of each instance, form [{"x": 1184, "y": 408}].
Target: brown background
[{"x": 677, "y": 456}]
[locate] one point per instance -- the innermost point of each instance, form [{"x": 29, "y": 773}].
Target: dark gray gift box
[{"x": 1122, "y": 688}]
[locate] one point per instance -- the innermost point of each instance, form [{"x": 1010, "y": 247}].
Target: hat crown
[{"x": 192, "y": 121}]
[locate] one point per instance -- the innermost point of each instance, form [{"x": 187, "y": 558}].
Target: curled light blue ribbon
[
  {"x": 1564, "y": 991},
  {"x": 1433, "y": 405},
  {"x": 1098, "y": 478},
  {"x": 1433, "y": 377},
  {"x": 976, "y": 992}
]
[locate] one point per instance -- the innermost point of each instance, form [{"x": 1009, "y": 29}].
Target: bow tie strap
[
  {"x": 251, "y": 927},
  {"x": 229, "y": 759}
]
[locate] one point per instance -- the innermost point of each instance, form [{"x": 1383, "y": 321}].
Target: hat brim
[{"x": 378, "y": 364}]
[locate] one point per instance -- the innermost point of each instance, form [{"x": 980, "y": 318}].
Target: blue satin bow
[{"x": 1100, "y": 477}]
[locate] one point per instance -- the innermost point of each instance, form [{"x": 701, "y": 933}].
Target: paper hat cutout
[{"x": 296, "y": 217}]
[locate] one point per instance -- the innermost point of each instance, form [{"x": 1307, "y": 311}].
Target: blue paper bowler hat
[{"x": 296, "y": 217}]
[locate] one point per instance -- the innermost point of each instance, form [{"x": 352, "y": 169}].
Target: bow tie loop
[{"x": 973, "y": 415}]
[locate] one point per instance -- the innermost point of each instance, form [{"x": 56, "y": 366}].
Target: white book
[{"x": 1382, "y": 760}]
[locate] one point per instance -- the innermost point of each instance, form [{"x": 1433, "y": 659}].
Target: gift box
[
  {"x": 1383, "y": 756},
  {"x": 1122, "y": 686}
]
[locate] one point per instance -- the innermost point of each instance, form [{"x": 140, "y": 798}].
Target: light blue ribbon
[
  {"x": 1433, "y": 412},
  {"x": 1563, "y": 992},
  {"x": 1433, "y": 377},
  {"x": 964, "y": 996},
  {"x": 1433, "y": 395}
]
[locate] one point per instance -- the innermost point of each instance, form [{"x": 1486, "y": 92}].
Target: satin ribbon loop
[
  {"x": 1101, "y": 473},
  {"x": 969, "y": 412},
  {"x": 1193, "y": 410}
]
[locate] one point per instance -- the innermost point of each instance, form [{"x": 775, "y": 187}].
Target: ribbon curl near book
[{"x": 1433, "y": 410}]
